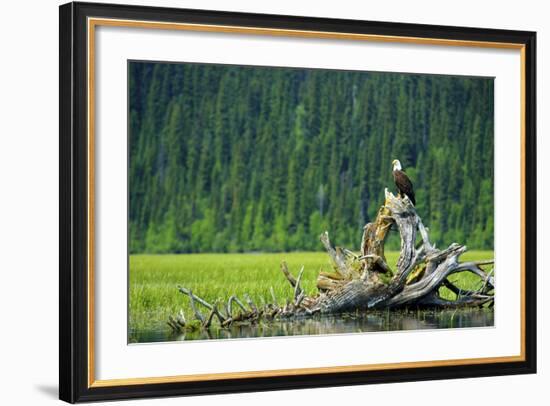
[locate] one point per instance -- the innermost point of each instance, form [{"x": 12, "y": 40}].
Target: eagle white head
[{"x": 396, "y": 165}]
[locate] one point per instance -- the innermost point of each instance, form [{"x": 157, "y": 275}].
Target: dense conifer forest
[{"x": 231, "y": 159}]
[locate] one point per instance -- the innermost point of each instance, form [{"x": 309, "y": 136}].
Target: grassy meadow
[{"x": 153, "y": 280}]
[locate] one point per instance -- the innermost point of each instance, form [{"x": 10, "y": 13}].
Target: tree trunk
[{"x": 366, "y": 281}]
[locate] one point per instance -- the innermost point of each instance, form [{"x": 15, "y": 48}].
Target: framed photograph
[{"x": 256, "y": 202}]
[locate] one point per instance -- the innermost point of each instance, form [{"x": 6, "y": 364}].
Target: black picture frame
[{"x": 74, "y": 384}]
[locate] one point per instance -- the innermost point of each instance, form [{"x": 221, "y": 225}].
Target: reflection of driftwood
[{"x": 366, "y": 281}]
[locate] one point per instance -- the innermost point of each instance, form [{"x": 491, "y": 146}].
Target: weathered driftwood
[{"x": 365, "y": 281}]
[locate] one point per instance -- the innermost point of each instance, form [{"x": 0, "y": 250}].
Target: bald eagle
[{"x": 402, "y": 181}]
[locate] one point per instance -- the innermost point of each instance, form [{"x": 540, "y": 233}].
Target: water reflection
[{"x": 343, "y": 324}]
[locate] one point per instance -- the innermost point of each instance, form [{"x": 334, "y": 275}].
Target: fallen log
[{"x": 357, "y": 283}]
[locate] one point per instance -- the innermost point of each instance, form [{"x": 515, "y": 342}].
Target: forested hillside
[{"x": 228, "y": 158}]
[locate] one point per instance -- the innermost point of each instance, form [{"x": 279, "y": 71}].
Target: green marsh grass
[{"x": 153, "y": 280}]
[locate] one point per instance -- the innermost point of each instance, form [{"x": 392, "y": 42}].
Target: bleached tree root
[{"x": 365, "y": 281}]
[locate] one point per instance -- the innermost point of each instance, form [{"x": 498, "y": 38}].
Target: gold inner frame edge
[{"x": 92, "y": 23}]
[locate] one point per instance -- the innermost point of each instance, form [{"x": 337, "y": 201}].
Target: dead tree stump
[{"x": 365, "y": 281}]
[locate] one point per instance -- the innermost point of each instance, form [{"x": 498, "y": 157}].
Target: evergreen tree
[{"x": 226, "y": 158}]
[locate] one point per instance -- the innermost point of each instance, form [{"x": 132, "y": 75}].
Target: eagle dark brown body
[{"x": 402, "y": 181}]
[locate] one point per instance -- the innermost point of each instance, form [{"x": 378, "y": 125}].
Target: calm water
[{"x": 343, "y": 324}]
